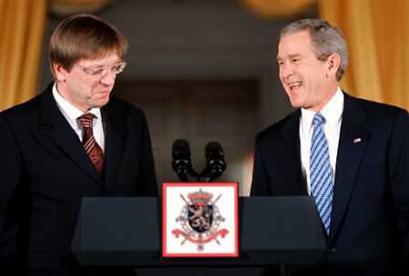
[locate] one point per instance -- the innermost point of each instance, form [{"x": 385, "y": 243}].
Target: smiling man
[
  {"x": 350, "y": 155},
  {"x": 71, "y": 141}
]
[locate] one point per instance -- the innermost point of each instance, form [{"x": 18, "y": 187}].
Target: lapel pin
[{"x": 357, "y": 140}]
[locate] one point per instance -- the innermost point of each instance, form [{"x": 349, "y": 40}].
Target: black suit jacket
[
  {"x": 370, "y": 215},
  {"x": 45, "y": 173}
]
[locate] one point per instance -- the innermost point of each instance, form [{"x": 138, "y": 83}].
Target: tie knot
[
  {"x": 318, "y": 120},
  {"x": 86, "y": 119}
]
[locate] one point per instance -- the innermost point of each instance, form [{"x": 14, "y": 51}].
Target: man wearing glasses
[{"x": 69, "y": 142}]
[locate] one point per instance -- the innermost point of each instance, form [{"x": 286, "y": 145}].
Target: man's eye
[
  {"x": 116, "y": 69},
  {"x": 295, "y": 60},
  {"x": 96, "y": 71}
]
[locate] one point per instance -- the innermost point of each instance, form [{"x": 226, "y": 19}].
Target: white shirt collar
[
  {"x": 70, "y": 112},
  {"x": 332, "y": 112}
]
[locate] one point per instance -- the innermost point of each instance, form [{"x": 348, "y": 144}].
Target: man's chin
[
  {"x": 295, "y": 104},
  {"x": 102, "y": 102}
]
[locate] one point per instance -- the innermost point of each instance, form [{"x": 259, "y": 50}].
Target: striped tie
[
  {"x": 320, "y": 172},
  {"x": 88, "y": 141}
]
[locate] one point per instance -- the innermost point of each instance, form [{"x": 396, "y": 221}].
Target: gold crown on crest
[{"x": 200, "y": 197}]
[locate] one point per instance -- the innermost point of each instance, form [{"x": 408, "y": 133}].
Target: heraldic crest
[{"x": 200, "y": 220}]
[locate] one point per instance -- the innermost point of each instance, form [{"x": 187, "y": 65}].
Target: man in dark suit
[
  {"x": 360, "y": 147},
  {"x": 53, "y": 155}
]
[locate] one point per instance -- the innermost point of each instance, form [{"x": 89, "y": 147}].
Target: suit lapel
[
  {"x": 290, "y": 159},
  {"x": 114, "y": 129},
  {"x": 63, "y": 135},
  {"x": 352, "y": 142}
]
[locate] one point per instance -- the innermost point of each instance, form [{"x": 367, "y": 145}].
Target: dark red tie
[{"x": 93, "y": 150}]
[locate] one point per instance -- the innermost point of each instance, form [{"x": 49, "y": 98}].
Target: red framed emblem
[{"x": 200, "y": 219}]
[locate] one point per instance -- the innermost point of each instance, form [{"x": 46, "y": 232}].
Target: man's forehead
[
  {"x": 106, "y": 59},
  {"x": 293, "y": 44}
]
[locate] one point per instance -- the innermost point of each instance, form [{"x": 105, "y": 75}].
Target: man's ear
[
  {"x": 60, "y": 73},
  {"x": 333, "y": 63}
]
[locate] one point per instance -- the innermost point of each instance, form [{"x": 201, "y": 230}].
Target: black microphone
[
  {"x": 215, "y": 162},
  {"x": 181, "y": 163}
]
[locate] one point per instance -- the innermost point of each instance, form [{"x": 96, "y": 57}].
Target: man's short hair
[
  {"x": 325, "y": 38},
  {"x": 84, "y": 36}
]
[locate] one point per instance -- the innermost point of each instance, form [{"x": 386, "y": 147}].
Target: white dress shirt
[
  {"x": 332, "y": 113},
  {"x": 71, "y": 113}
]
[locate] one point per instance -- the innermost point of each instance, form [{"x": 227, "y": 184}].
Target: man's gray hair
[{"x": 325, "y": 38}]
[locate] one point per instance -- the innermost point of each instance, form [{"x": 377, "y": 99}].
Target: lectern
[{"x": 126, "y": 232}]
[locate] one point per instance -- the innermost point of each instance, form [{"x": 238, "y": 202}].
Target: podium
[{"x": 127, "y": 232}]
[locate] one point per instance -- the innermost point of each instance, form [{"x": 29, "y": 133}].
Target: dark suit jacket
[
  {"x": 45, "y": 173},
  {"x": 370, "y": 218}
]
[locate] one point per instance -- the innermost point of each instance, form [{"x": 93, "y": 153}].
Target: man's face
[
  {"x": 304, "y": 77},
  {"x": 89, "y": 82}
]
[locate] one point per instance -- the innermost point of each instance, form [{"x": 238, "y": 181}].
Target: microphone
[
  {"x": 181, "y": 163},
  {"x": 215, "y": 162}
]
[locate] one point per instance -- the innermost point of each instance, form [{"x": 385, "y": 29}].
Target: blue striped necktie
[{"x": 320, "y": 172}]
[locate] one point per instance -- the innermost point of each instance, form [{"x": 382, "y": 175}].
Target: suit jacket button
[{"x": 332, "y": 250}]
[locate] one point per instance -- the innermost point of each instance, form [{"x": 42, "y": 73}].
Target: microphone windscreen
[
  {"x": 214, "y": 150},
  {"x": 180, "y": 149}
]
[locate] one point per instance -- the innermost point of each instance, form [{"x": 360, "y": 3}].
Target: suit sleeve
[
  {"x": 399, "y": 176},
  {"x": 10, "y": 201},
  {"x": 147, "y": 174},
  {"x": 260, "y": 184}
]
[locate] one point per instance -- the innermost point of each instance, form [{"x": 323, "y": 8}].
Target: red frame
[{"x": 165, "y": 186}]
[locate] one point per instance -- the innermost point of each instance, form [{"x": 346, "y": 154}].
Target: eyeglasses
[{"x": 100, "y": 71}]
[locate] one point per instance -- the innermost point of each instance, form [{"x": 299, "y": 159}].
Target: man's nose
[
  {"x": 286, "y": 70},
  {"x": 108, "y": 78}
]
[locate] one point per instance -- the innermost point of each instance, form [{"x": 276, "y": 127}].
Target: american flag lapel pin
[{"x": 357, "y": 140}]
